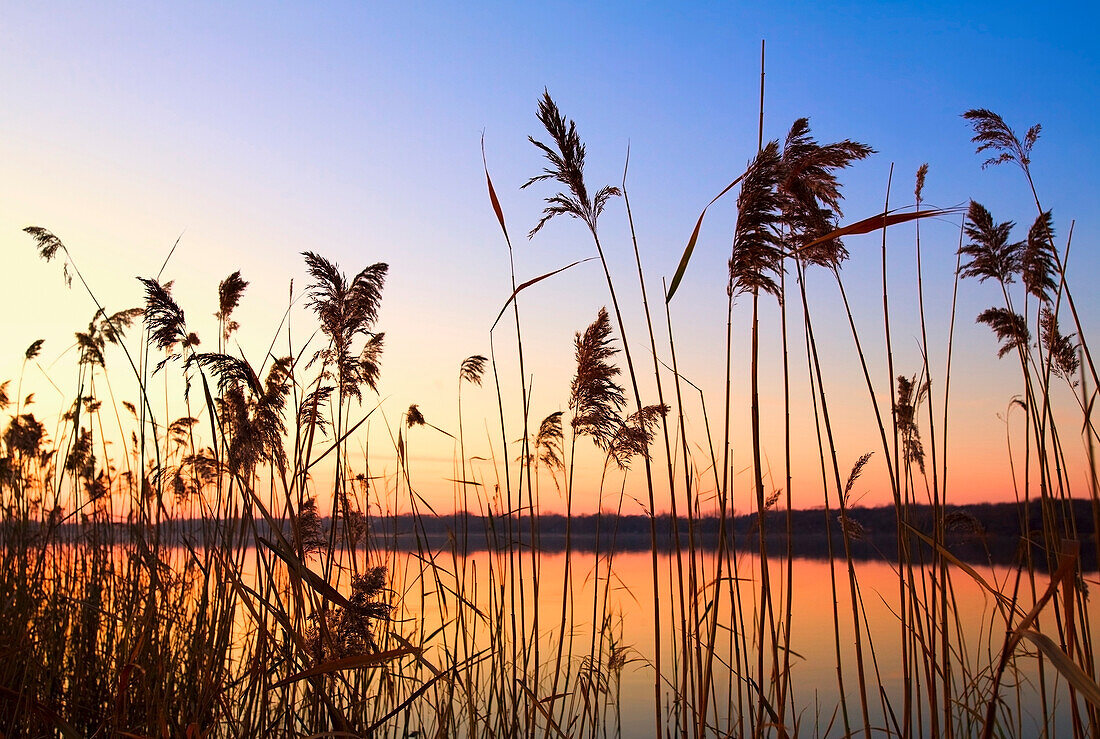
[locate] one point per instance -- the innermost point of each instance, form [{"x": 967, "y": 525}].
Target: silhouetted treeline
[{"x": 983, "y": 532}]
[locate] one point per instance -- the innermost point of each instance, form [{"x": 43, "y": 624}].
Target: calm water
[
  {"x": 630, "y": 603},
  {"x": 456, "y": 607}
]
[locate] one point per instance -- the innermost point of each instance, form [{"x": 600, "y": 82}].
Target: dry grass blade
[
  {"x": 533, "y": 281},
  {"x": 343, "y": 436},
  {"x": 463, "y": 482},
  {"x": 436, "y": 677},
  {"x": 306, "y": 575},
  {"x": 345, "y": 663},
  {"x": 682, "y": 266},
  {"x": 876, "y": 222},
  {"x": 974, "y": 574},
  {"x": 1064, "y": 577},
  {"x": 1069, "y": 669},
  {"x": 551, "y": 723},
  {"x": 493, "y": 195}
]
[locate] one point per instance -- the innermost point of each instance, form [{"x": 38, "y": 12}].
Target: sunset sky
[{"x": 252, "y": 133}]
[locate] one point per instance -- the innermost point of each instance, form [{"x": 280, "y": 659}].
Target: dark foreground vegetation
[{"x": 189, "y": 584}]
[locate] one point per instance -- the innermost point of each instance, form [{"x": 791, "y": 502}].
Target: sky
[{"x": 250, "y": 133}]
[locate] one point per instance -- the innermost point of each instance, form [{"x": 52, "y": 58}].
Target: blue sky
[{"x": 353, "y": 130}]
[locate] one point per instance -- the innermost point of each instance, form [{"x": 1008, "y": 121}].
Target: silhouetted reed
[{"x": 181, "y": 578}]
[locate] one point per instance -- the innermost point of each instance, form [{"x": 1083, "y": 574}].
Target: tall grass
[{"x": 187, "y": 582}]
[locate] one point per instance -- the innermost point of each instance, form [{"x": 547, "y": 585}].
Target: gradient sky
[{"x": 252, "y": 133}]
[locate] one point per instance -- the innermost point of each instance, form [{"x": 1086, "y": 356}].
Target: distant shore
[{"x": 985, "y": 532}]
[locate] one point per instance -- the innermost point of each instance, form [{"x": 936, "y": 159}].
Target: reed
[{"x": 181, "y": 577}]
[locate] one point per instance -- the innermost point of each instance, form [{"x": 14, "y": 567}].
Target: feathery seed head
[
  {"x": 635, "y": 434},
  {"x": 595, "y": 398},
  {"x": 346, "y": 310},
  {"x": 413, "y": 416},
  {"x": 1038, "y": 265},
  {"x": 34, "y": 349},
  {"x": 857, "y": 470},
  {"x": 163, "y": 317},
  {"x": 1062, "y": 349},
  {"x": 1010, "y": 328},
  {"x": 566, "y": 166},
  {"x": 756, "y": 255},
  {"x": 991, "y": 133},
  {"x": 991, "y": 254},
  {"x": 922, "y": 172},
  {"x": 472, "y": 369},
  {"x": 809, "y": 191}
]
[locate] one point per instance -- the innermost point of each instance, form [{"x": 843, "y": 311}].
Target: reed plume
[
  {"x": 756, "y": 255},
  {"x": 918, "y": 187},
  {"x": 635, "y": 434},
  {"x": 308, "y": 536},
  {"x": 25, "y": 435},
  {"x": 370, "y": 360},
  {"x": 595, "y": 398},
  {"x": 48, "y": 246},
  {"x": 348, "y": 630},
  {"x": 229, "y": 297},
  {"x": 1010, "y": 328},
  {"x": 857, "y": 470},
  {"x": 909, "y": 396},
  {"x": 1063, "y": 350},
  {"x": 164, "y": 319},
  {"x": 1038, "y": 266},
  {"x": 990, "y": 253},
  {"x": 548, "y": 442},
  {"x": 252, "y": 414},
  {"x": 472, "y": 369},
  {"x": 991, "y": 133},
  {"x": 566, "y": 166},
  {"x": 309, "y": 410},
  {"x": 102, "y": 330},
  {"x": 231, "y": 372},
  {"x": 809, "y": 192},
  {"x": 345, "y": 310}
]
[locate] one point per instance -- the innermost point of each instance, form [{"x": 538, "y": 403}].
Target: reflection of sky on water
[
  {"x": 814, "y": 668},
  {"x": 631, "y": 601}
]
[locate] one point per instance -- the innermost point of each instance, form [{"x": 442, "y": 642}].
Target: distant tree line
[{"x": 983, "y": 532}]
